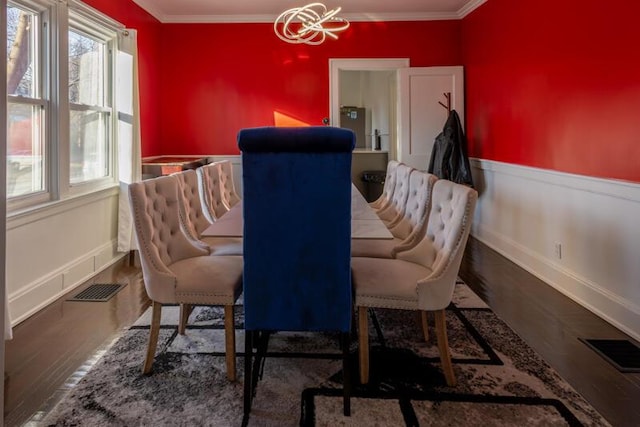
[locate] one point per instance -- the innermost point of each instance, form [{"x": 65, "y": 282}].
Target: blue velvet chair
[{"x": 297, "y": 238}]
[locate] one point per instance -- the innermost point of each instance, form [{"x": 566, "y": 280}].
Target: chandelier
[{"x": 310, "y": 24}]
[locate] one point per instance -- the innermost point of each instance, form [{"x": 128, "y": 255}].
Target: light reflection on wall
[{"x": 285, "y": 120}]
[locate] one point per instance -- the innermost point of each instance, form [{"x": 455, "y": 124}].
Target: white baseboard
[{"x": 37, "y": 295}]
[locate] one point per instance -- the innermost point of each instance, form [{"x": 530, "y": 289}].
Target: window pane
[
  {"x": 89, "y": 148},
  {"x": 25, "y": 150},
  {"x": 86, "y": 70},
  {"x": 21, "y": 64}
]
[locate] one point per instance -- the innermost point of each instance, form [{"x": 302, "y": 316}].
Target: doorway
[{"x": 371, "y": 84}]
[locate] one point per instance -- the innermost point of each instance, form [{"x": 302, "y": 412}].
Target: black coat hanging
[{"x": 449, "y": 158}]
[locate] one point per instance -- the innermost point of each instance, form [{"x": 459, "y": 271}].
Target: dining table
[{"x": 365, "y": 223}]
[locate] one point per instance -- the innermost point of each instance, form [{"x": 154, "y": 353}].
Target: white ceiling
[{"x": 268, "y": 10}]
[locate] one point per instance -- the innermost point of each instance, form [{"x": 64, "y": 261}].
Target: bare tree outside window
[{"x": 19, "y": 61}]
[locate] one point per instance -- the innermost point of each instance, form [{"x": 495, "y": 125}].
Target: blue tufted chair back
[{"x": 297, "y": 228}]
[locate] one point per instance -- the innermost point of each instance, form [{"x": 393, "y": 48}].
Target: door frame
[
  {"x": 360, "y": 64},
  {"x": 5, "y": 322}
]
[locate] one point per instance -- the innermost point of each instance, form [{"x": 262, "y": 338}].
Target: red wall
[
  {"x": 218, "y": 78},
  {"x": 132, "y": 16},
  {"x": 555, "y": 85},
  {"x": 550, "y": 84}
]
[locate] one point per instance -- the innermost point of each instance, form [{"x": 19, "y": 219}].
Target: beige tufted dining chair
[
  {"x": 408, "y": 227},
  {"x": 396, "y": 204},
  {"x": 176, "y": 269},
  {"x": 422, "y": 278},
  {"x": 194, "y": 219},
  {"x": 213, "y": 204},
  {"x": 229, "y": 194},
  {"x": 194, "y": 223},
  {"x": 387, "y": 189}
]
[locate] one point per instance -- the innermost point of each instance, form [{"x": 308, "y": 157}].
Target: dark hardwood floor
[
  {"x": 53, "y": 344},
  {"x": 552, "y": 324}
]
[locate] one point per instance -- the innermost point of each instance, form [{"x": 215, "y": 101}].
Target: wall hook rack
[{"x": 447, "y": 106}]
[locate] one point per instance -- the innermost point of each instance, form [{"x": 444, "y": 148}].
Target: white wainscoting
[
  {"x": 57, "y": 248},
  {"x": 524, "y": 213}
]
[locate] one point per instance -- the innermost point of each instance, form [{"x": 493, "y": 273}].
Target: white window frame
[
  {"x": 41, "y": 98},
  {"x": 85, "y": 21},
  {"x": 60, "y": 16}
]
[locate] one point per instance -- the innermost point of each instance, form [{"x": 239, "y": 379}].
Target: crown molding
[
  {"x": 407, "y": 16},
  {"x": 470, "y": 7},
  {"x": 218, "y": 19},
  {"x": 351, "y": 17},
  {"x": 151, "y": 8}
]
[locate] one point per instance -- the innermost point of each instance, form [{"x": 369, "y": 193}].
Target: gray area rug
[{"x": 501, "y": 381}]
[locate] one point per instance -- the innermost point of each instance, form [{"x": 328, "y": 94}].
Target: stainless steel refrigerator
[{"x": 354, "y": 118}]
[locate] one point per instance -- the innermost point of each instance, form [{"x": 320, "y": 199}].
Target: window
[
  {"x": 26, "y": 103},
  {"x": 60, "y": 103},
  {"x": 89, "y": 110}
]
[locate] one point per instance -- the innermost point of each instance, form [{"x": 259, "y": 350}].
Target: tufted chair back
[
  {"x": 161, "y": 242},
  {"x": 389, "y": 185},
  {"x": 398, "y": 200},
  {"x": 195, "y": 222},
  {"x": 417, "y": 207},
  {"x": 442, "y": 248},
  {"x": 229, "y": 194},
  {"x": 213, "y": 204},
  {"x": 297, "y": 228}
]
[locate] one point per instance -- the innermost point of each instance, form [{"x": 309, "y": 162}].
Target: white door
[{"x": 421, "y": 116}]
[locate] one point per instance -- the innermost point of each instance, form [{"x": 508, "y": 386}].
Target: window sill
[{"x": 21, "y": 217}]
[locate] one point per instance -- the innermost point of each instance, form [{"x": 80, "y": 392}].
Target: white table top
[{"x": 365, "y": 224}]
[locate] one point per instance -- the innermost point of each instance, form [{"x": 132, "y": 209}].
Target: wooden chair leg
[
  {"x": 425, "y": 325},
  {"x": 443, "y": 347},
  {"x": 230, "y": 342},
  {"x": 363, "y": 344},
  {"x": 154, "y": 331},
  {"x": 185, "y": 311}
]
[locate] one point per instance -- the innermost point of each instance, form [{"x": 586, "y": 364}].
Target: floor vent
[
  {"x": 623, "y": 354},
  {"x": 98, "y": 292}
]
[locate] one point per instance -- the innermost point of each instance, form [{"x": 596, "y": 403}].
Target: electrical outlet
[{"x": 557, "y": 246}]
